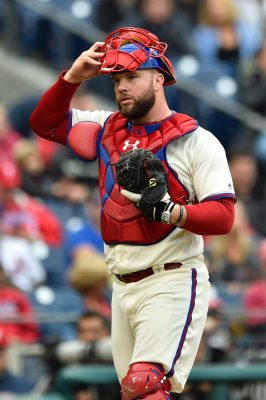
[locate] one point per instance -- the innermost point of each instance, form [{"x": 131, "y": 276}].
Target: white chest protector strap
[{"x": 83, "y": 140}]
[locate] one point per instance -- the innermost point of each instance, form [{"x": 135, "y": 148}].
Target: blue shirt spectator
[
  {"x": 221, "y": 40},
  {"x": 10, "y": 383},
  {"x": 86, "y": 230}
]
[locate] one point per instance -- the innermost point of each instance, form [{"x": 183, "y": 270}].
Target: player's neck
[{"x": 157, "y": 113}]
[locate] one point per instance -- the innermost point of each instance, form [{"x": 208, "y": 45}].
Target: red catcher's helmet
[{"x": 129, "y": 49}]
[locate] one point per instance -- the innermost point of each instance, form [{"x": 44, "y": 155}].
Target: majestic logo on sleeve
[{"x": 130, "y": 146}]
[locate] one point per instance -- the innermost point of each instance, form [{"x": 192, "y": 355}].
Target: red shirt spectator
[
  {"x": 17, "y": 320},
  {"x": 255, "y": 296},
  {"x": 49, "y": 226},
  {"x": 8, "y": 137}
]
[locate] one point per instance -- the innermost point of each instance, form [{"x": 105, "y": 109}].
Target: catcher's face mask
[{"x": 129, "y": 49}]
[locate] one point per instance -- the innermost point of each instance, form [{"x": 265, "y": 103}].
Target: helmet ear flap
[{"x": 169, "y": 72}]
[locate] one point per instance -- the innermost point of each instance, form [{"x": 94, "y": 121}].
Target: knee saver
[
  {"x": 160, "y": 395},
  {"x": 145, "y": 381}
]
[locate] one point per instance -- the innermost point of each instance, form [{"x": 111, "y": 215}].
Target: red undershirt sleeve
[
  {"x": 214, "y": 217},
  {"x": 50, "y": 118}
]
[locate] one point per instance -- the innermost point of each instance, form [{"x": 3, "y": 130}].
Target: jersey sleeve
[
  {"x": 200, "y": 162},
  {"x": 52, "y": 119},
  {"x": 98, "y": 116},
  {"x": 210, "y": 172}
]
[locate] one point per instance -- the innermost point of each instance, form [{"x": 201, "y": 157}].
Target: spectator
[
  {"x": 21, "y": 266},
  {"x": 254, "y": 303},
  {"x": 34, "y": 178},
  {"x": 83, "y": 100},
  {"x": 88, "y": 275},
  {"x": 93, "y": 345},
  {"x": 253, "y": 12},
  {"x": 92, "y": 326},
  {"x": 20, "y": 111},
  {"x": 163, "y": 18},
  {"x": 233, "y": 258},
  {"x": 190, "y": 8},
  {"x": 8, "y": 137},
  {"x": 85, "y": 231},
  {"x": 10, "y": 385},
  {"x": 37, "y": 178},
  {"x": 32, "y": 35},
  {"x": 10, "y": 177},
  {"x": 216, "y": 330},
  {"x": 252, "y": 83},
  {"x": 252, "y": 93},
  {"x": 249, "y": 187},
  {"x": 110, "y": 12},
  {"x": 85, "y": 394},
  {"x": 71, "y": 177},
  {"x": 17, "y": 321},
  {"x": 227, "y": 40},
  {"x": 13, "y": 201},
  {"x": 255, "y": 299}
]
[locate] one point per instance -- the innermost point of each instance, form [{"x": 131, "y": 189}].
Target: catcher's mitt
[{"x": 141, "y": 171}]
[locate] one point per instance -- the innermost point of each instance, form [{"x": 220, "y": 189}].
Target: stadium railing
[{"x": 220, "y": 375}]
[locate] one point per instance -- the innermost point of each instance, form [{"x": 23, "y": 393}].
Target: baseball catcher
[
  {"x": 144, "y": 181},
  {"x": 164, "y": 182}
]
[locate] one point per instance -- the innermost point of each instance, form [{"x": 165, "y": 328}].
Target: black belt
[{"x": 138, "y": 275}]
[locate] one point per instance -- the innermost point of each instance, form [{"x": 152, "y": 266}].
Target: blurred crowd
[{"x": 54, "y": 286}]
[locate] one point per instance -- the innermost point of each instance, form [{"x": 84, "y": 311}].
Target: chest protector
[{"x": 121, "y": 220}]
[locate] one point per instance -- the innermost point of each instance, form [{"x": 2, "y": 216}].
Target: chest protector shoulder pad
[{"x": 83, "y": 140}]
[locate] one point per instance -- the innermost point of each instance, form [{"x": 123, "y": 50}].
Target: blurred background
[{"x": 55, "y": 292}]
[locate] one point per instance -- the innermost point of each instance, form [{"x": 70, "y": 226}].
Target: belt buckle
[{"x": 157, "y": 268}]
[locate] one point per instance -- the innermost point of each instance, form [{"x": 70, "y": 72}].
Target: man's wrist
[
  {"x": 164, "y": 211},
  {"x": 71, "y": 79},
  {"x": 178, "y": 215}
]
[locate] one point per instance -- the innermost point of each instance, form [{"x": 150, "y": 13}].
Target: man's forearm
[
  {"x": 214, "y": 217},
  {"x": 49, "y": 119}
]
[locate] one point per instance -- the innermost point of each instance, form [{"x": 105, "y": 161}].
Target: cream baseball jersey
[{"x": 200, "y": 163}]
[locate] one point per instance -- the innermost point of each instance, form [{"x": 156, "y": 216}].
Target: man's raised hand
[{"x": 86, "y": 66}]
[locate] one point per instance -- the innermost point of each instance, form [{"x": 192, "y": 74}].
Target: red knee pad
[{"x": 145, "y": 381}]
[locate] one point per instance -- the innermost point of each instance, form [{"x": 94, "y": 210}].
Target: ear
[{"x": 158, "y": 81}]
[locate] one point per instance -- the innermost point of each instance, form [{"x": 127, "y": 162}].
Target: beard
[{"x": 140, "y": 107}]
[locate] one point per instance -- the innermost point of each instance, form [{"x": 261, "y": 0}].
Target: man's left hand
[
  {"x": 144, "y": 181},
  {"x": 159, "y": 211}
]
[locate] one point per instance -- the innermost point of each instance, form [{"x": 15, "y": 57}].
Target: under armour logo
[{"x": 133, "y": 145}]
